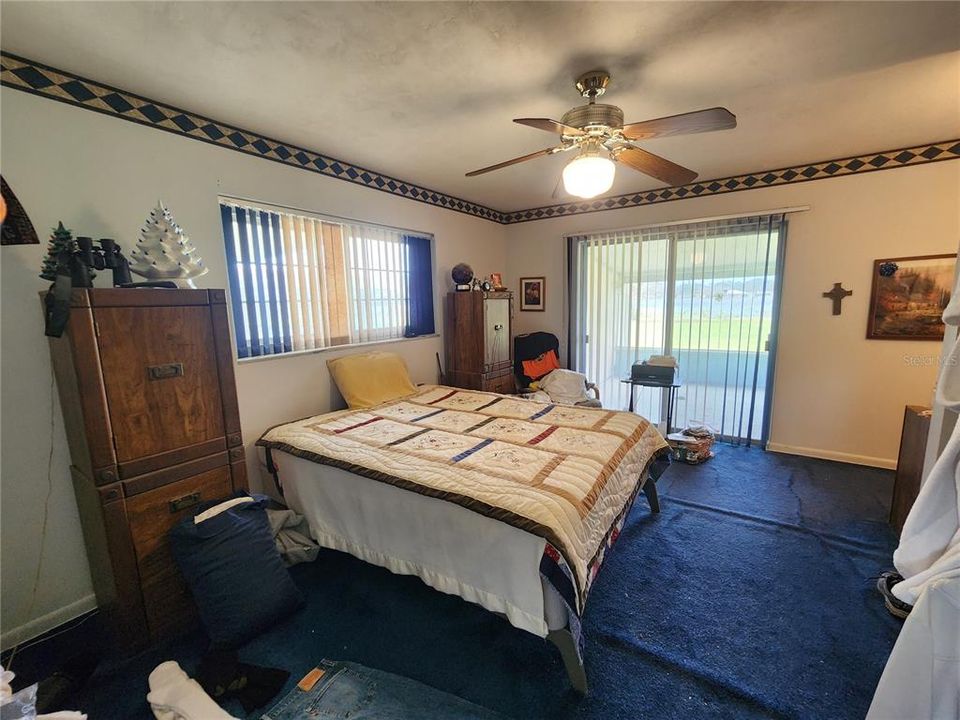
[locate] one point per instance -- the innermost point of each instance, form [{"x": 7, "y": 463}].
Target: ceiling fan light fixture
[
  {"x": 588, "y": 175},
  {"x": 598, "y": 133}
]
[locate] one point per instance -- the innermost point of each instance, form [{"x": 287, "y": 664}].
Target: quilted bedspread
[{"x": 563, "y": 473}]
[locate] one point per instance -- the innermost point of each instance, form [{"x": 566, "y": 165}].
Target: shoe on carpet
[{"x": 895, "y": 606}]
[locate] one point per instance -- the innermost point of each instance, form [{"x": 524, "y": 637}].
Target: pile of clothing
[
  {"x": 234, "y": 556},
  {"x": 693, "y": 445},
  {"x": 564, "y": 387},
  {"x": 174, "y": 695},
  {"x": 537, "y": 367},
  {"x": 22, "y": 705}
]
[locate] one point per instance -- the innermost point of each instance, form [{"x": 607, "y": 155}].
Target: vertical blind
[
  {"x": 702, "y": 292},
  {"x": 299, "y": 282}
]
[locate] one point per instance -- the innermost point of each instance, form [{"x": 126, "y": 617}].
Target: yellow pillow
[{"x": 372, "y": 378}]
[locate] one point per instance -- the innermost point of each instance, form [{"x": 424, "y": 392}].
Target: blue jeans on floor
[{"x": 348, "y": 690}]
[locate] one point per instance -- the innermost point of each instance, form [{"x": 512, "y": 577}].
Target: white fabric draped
[
  {"x": 931, "y": 532},
  {"x": 922, "y": 676}
]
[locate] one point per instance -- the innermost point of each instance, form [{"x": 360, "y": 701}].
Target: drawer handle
[
  {"x": 165, "y": 372},
  {"x": 184, "y": 502}
]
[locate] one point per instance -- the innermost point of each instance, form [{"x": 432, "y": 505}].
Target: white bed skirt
[{"x": 450, "y": 548}]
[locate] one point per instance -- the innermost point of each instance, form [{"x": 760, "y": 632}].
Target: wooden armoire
[
  {"x": 149, "y": 401},
  {"x": 479, "y": 341}
]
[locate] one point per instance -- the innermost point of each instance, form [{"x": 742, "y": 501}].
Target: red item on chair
[{"x": 541, "y": 365}]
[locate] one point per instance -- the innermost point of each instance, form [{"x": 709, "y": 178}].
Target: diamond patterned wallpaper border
[
  {"x": 887, "y": 160},
  {"x": 33, "y": 77}
]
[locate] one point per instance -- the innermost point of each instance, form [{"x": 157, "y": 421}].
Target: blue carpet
[{"x": 749, "y": 596}]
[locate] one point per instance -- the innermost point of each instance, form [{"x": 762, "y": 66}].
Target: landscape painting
[{"x": 908, "y": 297}]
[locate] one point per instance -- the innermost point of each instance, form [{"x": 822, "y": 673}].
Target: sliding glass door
[
  {"x": 620, "y": 295},
  {"x": 705, "y": 293}
]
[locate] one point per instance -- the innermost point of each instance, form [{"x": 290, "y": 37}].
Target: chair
[{"x": 530, "y": 347}]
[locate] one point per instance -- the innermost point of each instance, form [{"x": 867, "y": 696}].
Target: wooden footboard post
[
  {"x": 567, "y": 646},
  {"x": 650, "y": 490}
]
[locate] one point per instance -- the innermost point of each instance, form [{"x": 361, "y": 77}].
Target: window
[
  {"x": 304, "y": 282},
  {"x": 703, "y": 292}
]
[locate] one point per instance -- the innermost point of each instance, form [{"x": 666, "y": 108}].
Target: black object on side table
[{"x": 671, "y": 389}]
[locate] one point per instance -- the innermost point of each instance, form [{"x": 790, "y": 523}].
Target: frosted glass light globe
[{"x": 587, "y": 176}]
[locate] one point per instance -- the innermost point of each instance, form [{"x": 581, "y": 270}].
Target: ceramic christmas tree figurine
[
  {"x": 61, "y": 254},
  {"x": 164, "y": 252},
  {"x": 61, "y": 240}
]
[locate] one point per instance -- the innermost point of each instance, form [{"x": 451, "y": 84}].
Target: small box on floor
[{"x": 690, "y": 448}]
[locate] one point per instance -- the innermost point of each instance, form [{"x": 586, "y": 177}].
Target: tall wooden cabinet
[
  {"x": 479, "y": 341},
  {"x": 149, "y": 401}
]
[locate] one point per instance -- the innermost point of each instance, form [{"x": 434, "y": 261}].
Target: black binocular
[{"x": 107, "y": 256}]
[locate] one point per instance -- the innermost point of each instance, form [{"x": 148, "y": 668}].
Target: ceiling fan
[{"x": 598, "y": 133}]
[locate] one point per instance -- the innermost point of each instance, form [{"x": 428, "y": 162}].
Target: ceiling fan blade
[
  {"x": 717, "y": 118},
  {"x": 656, "y": 166},
  {"x": 514, "y": 161},
  {"x": 550, "y": 126}
]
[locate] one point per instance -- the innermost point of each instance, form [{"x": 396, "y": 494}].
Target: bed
[{"x": 508, "y": 503}]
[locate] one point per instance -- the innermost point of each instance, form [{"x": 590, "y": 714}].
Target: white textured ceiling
[{"x": 427, "y": 91}]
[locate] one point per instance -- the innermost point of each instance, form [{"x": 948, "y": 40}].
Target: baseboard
[
  {"x": 887, "y": 463},
  {"x": 45, "y": 623}
]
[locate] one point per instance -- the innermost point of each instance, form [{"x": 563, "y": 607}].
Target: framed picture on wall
[
  {"x": 908, "y": 297},
  {"x": 533, "y": 293}
]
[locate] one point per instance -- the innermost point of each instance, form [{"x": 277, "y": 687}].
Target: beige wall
[
  {"x": 836, "y": 394},
  {"x": 101, "y": 176}
]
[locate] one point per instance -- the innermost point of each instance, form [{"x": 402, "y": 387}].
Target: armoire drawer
[
  {"x": 151, "y": 514},
  {"x": 500, "y": 383},
  {"x": 168, "y": 605}
]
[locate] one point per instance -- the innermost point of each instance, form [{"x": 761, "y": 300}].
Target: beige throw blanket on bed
[{"x": 563, "y": 473}]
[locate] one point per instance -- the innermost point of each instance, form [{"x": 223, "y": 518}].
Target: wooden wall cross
[{"x": 837, "y": 295}]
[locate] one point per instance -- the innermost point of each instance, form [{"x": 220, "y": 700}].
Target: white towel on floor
[{"x": 175, "y": 696}]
